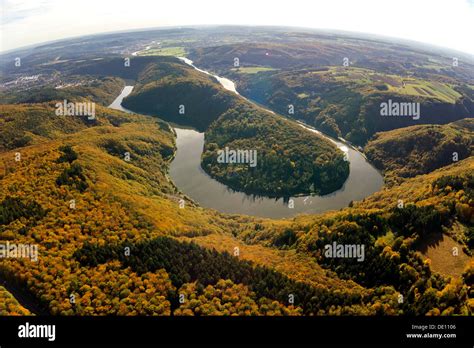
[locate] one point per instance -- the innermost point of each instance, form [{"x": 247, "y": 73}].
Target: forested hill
[
  {"x": 9, "y": 304},
  {"x": 345, "y": 101},
  {"x": 174, "y": 91},
  {"x": 119, "y": 203},
  {"x": 338, "y": 87},
  {"x": 177, "y": 92},
  {"x": 101, "y": 90},
  {"x": 73, "y": 191},
  {"x": 88, "y": 191},
  {"x": 291, "y": 160},
  {"x": 416, "y": 150}
]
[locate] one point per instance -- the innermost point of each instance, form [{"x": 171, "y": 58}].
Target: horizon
[
  {"x": 53, "y": 20},
  {"x": 355, "y": 34}
]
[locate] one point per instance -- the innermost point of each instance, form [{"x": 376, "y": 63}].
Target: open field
[
  {"x": 253, "y": 69},
  {"x": 371, "y": 81},
  {"x": 439, "y": 250},
  {"x": 166, "y": 51}
]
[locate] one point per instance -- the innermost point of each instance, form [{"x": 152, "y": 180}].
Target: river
[
  {"x": 117, "y": 103},
  {"x": 190, "y": 178}
]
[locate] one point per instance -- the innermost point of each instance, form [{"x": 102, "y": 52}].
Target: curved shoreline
[{"x": 193, "y": 182}]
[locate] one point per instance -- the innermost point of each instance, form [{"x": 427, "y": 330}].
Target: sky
[{"x": 446, "y": 23}]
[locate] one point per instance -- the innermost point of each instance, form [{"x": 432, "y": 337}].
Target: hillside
[
  {"x": 416, "y": 150},
  {"x": 409, "y": 233},
  {"x": 338, "y": 87},
  {"x": 102, "y": 90},
  {"x": 117, "y": 201},
  {"x": 290, "y": 159},
  {"x": 178, "y": 93},
  {"x": 28, "y": 124},
  {"x": 9, "y": 305},
  {"x": 345, "y": 101},
  {"x": 120, "y": 204},
  {"x": 164, "y": 85},
  {"x": 115, "y": 236},
  {"x": 285, "y": 50}
]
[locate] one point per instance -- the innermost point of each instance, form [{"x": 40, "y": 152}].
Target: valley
[
  {"x": 132, "y": 211},
  {"x": 292, "y": 159},
  {"x": 362, "y": 180}
]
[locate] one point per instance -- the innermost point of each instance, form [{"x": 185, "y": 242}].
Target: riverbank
[{"x": 194, "y": 183}]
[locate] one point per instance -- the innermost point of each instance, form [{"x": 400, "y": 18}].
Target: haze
[{"x": 447, "y": 23}]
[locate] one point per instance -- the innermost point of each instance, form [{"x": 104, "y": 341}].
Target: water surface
[{"x": 190, "y": 178}]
